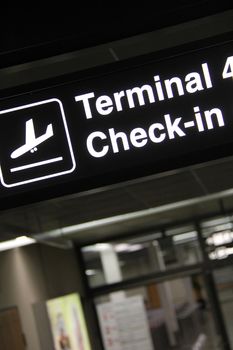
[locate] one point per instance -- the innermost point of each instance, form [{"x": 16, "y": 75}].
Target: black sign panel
[{"x": 117, "y": 123}]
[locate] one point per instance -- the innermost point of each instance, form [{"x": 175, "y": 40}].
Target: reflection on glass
[
  {"x": 171, "y": 315},
  {"x": 112, "y": 262},
  {"x": 218, "y": 234},
  {"x": 224, "y": 283}
]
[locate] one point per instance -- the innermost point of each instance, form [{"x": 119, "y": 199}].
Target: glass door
[
  {"x": 224, "y": 284},
  {"x": 174, "y": 314}
]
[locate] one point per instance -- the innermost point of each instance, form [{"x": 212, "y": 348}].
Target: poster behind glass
[{"x": 67, "y": 323}]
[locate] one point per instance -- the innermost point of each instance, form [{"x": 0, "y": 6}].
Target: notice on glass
[{"x": 124, "y": 325}]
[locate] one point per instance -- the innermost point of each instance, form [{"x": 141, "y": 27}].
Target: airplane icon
[{"x": 31, "y": 140}]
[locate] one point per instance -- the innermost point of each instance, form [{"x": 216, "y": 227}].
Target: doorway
[
  {"x": 173, "y": 315},
  {"x": 11, "y": 334}
]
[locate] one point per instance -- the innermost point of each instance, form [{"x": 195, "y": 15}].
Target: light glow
[
  {"x": 121, "y": 247},
  {"x": 220, "y": 238},
  {"x": 128, "y": 248},
  {"x": 17, "y": 242},
  {"x": 189, "y": 236},
  {"x": 103, "y": 246},
  {"x": 135, "y": 247},
  {"x": 90, "y": 272},
  {"x": 221, "y": 253}
]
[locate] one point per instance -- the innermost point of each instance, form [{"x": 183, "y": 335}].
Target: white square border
[{"x": 68, "y": 139}]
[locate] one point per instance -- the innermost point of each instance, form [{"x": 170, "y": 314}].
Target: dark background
[{"x": 38, "y": 30}]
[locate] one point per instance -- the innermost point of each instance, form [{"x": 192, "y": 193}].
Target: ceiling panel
[
  {"x": 61, "y": 29},
  {"x": 169, "y": 196},
  {"x": 217, "y": 177},
  {"x": 167, "y": 189}
]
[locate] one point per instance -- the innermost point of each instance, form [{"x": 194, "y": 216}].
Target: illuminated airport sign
[
  {"x": 22, "y": 162},
  {"x": 118, "y": 122}
]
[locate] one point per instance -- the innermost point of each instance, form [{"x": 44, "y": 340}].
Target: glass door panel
[
  {"x": 224, "y": 283},
  {"x": 170, "y": 315}
]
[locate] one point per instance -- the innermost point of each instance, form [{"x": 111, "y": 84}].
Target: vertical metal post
[
  {"x": 212, "y": 292},
  {"x": 89, "y": 306}
]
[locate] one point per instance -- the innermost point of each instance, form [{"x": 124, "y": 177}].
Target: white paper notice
[{"x": 124, "y": 325}]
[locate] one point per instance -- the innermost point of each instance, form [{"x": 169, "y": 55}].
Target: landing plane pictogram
[{"x": 31, "y": 140}]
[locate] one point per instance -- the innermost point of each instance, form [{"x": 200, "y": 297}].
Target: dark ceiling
[
  {"x": 35, "y": 31},
  {"x": 141, "y": 206}
]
